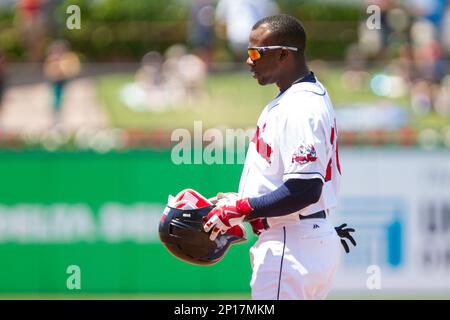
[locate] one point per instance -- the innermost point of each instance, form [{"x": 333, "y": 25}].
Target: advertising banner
[{"x": 98, "y": 214}]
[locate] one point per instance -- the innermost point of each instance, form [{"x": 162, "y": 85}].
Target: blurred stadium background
[{"x": 86, "y": 117}]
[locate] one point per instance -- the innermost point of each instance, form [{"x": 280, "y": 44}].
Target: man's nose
[{"x": 250, "y": 62}]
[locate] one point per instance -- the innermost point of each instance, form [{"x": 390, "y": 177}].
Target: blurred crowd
[
  {"x": 403, "y": 58},
  {"x": 409, "y": 51},
  {"x": 178, "y": 76},
  {"x": 413, "y": 46},
  {"x": 165, "y": 81}
]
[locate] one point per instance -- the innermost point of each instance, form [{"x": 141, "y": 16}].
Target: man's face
[{"x": 267, "y": 69}]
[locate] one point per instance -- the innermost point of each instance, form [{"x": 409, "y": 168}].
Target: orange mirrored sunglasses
[{"x": 255, "y": 52}]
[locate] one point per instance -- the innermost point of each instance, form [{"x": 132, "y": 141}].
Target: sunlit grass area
[{"x": 234, "y": 99}]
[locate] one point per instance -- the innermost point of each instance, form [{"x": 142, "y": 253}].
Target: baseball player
[{"x": 291, "y": 175}]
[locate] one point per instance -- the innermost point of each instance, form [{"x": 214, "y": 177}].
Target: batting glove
[
  {"x": 225, "y": 216},
  {"x": 223, "y": 197},
  {"x": 345, "y": 234}
]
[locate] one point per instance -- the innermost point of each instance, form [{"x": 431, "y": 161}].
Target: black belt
[{"x": 317, "y": 215}]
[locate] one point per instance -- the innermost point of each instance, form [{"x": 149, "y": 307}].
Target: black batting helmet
[{"x": 181, "y": 231}]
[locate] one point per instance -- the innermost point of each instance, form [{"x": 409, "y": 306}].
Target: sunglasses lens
[{"x": 254, "y": 54}]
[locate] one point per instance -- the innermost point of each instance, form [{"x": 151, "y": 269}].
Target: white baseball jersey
[{"x": 296, "y": 138}]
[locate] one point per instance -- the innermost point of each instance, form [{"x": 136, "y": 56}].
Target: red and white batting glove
[
  {"x": 226, "y": 215},
  {"x": 223, "y": 197}
]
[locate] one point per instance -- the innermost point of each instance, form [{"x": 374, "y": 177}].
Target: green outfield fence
[{"x": 100, "y": 213}]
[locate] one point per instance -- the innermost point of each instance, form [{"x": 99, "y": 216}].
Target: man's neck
[{"x": 300, "y": 73}]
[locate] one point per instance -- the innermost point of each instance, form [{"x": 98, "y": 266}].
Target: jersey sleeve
[{"x": 303, "y": 144}]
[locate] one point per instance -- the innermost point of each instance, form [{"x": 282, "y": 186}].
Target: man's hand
[
  {"x": 345, "y": 233},
  {"x": 226, "y": 215},
  {"x": 223, "y": 196}
]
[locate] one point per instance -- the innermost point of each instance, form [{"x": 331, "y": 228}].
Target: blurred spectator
[
  {"x": 386, "y": 28},
  {"x": 235, "y": 18},
  {"x": 163, "y": 83},
  {"x": 425, "y": 38},
  {"x": 32, "y": 22},
  {"x": 445, "y": 25},
  {"x": 432, "y": 10},
  {"x": 60, "y": 66},
  {"x": 184, "y": 73},
  {"x": 442, "y": 98},
  {"x": 150, "y": 71},
  {"x": 375, "y": 42},
  {"x": 147, "y": 93},
  {"x": 201, "y": 30},
  {"x": 2, "y": 78},
  {"x": 421, "y": 97}
]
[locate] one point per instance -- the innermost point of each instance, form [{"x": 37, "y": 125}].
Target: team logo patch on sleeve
[{"x": 304, "y": 154}]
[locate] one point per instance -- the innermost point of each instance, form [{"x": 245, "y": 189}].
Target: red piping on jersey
[{"x": 263, "y": 149}]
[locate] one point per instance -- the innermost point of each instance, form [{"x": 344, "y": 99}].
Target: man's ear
[{"x": 283, "y": 55}]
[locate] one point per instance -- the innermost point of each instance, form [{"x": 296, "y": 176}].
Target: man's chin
[{"x": 261, "y": 81}]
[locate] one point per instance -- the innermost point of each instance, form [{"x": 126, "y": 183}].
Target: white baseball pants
[{"x": 296, "y": 261}]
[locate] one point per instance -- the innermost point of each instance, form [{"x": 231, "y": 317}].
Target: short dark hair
[{"x": 285, "y": 28}]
